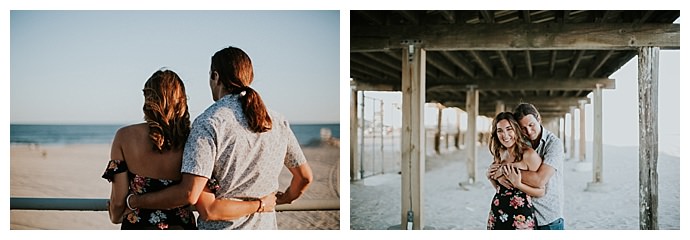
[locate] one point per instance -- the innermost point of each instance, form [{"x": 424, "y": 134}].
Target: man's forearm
[
  {"x": 297, "y": 187},
  {"x": 533, "y": 179}
]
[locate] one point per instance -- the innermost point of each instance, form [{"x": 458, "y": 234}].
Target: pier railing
[{"x": 99, "y": 204}]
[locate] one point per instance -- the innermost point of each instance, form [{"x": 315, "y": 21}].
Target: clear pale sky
[{"x": 90, "y": 66}]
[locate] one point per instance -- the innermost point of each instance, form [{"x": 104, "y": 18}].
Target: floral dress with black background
[
  {"x": 511, "y": 209},
  {"x": 176, "y": 218}
]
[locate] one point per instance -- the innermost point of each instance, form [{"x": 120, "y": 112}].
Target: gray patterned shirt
[
  {"x": 246, "y": 164},
  {"x": 550, "y": 206}
]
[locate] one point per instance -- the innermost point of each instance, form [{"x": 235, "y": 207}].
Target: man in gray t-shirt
[{"x": 549, "y": 208}]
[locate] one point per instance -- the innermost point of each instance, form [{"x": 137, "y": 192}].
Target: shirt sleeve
[
  {"x": 553, "y": 153},
  {"x": 294, "y": 157},
  {"x": 200, "y": 150}
]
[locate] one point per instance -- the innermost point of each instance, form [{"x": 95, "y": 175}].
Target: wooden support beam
[
  {"x": 648, "y": 84},
  {"x": 600, "y": 62},
  {"x": 471, "y": 137},
  {"x": 482, "y": 62},
  {"x": 576, "y": 62},
  {"x": 440, "y": 65},
  {"x": 605, "y": 16},
  {"x": 437, "y": 135},
  {"x": 500, "y": 107},
  {"x": 539, "y": 102},
  {"x": 488, "y": 16},
  {"x": 571, "y": 149},
  {"x": 598, "y": 144},
  {"x": 526, "y": 16},
  {"x": 354, "y": 129},
  {"x": 460, "y": 62},
  {"x": 364, "y": 86},
  {"x": 532, "y": 85},
  {"x": 458, "y": 134},
  {"x": 369, "y": 15},
  {"x": 543, "y": 36},
  {"x": 646, "y": 16},
  {"x": 552, "y": 63},
  {"x": 393, "y": 64},
  {"x": 410, "y": 16},
  {"x": 528, "y": 64},
  {"x": 583, "y": 135},
  {"x": 413, "y": 138},
  {"x": 507, "y": 65},
  {"x": 448, "y": 15},
  {"x": 375, "y": 68}
]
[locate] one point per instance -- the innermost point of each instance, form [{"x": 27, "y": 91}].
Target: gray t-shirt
[
  {"x": 550, "y": 206},
  {"x": 246, "y": 164}
]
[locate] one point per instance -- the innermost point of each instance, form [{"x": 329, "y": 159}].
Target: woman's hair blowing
[
  {"x": 235, "y": 71},
  {"x": 165, "y": 110}
]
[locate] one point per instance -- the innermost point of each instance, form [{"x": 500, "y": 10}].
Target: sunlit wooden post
[
  {"x": 413, "y": 136},
  {"x": 459, "y": 132},
  {"x": 500, "y": 107},
  {"x": 571, "y": 150},
  {"x": 471, "y": 136},
  {"x": 598, "y": 158},
  {"x": 583, "y": 137},
  {"x": 354, "y": 160},
  {"x": 648, "y": 83},
  {"x": 437, "y": 136}
]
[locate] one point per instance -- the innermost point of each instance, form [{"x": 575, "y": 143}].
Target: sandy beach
[
  {"x": 375, "y": 201},
  {"x": 74, "y": 171}
]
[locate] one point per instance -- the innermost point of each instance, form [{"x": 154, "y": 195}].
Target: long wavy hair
[
  {"x": 165, "y": 110},
  {"x": 235, "y": 71},
  {"x": 495, "y": 145}
]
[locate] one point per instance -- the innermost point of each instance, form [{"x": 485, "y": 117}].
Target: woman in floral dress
[{"x": 511, "y": 208}]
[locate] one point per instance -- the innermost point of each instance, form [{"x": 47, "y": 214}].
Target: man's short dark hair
[{"x": 525, "y": 109}]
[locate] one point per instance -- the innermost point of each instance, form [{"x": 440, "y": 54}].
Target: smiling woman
[{"x": 511, "y": 207}]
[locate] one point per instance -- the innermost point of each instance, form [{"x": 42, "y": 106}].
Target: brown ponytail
[{"x": 235, "y": 71}]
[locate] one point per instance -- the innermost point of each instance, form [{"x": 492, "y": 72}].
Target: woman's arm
[
  {"x": 211, "y": 208},
  {"x": 119, "y": 187},
  {"x": 301, "y": 178}
]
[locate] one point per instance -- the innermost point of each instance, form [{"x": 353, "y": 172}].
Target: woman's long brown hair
[
  {"x": 165, "y": 110},
  {"x": 495, "y": 145},
  {"x": 235, "y": 71}
]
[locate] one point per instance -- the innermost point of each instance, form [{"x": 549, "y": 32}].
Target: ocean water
[{"x": 307, "y": 134}]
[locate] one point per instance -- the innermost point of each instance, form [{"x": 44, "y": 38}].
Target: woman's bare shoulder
[
  {"x": 532, "y": 158},
  {"x": 133, "y": 129}
]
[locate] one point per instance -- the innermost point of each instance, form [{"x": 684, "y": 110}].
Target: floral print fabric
[
  {"x": 511, "y": 209},
  {"x": 176, "y": 218}
]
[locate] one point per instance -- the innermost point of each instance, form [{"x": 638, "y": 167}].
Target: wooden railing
[{"x": 99, "y": 204}]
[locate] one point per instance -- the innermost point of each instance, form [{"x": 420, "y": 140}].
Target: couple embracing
[
  {"x": 527, "y": 172},
  {"x": 226, "y": 163}
]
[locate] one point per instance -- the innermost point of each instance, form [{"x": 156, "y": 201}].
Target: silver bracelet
[{"x": 130, "y": 206}]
